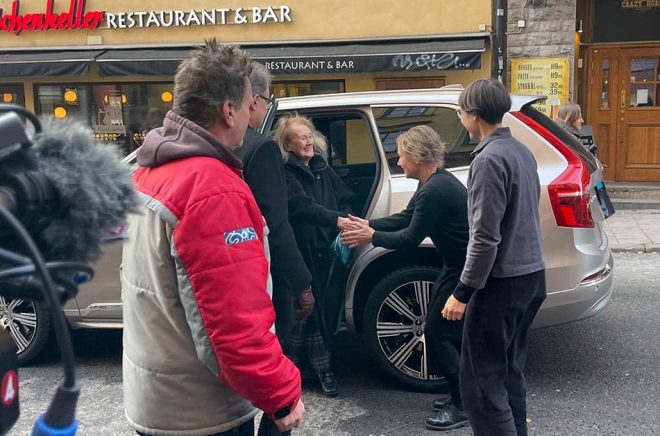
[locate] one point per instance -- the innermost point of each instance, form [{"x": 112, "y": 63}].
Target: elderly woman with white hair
[
  {"x": 319, "y": 203},
  {"x": 438, "y": 209}
]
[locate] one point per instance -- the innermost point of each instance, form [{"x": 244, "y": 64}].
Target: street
[{"x": 600, "y": 376}]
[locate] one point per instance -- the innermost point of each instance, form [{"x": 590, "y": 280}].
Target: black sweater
[{"x": 437, "y": 209}]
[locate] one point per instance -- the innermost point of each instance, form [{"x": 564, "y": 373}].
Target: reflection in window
[
  {"x": 283, "y": 88},
  {"x": 117, "y": 113},
  {"x": 395, "y": 120},
  {"x": 12, "y": 94},
  {"x": 644, "y": 82},
  {"x": 605, "y": 85}
]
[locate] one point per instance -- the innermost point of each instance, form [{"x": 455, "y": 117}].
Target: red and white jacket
[{"x": 198, "y": 346}]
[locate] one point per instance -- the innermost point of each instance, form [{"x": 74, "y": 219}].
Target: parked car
[{"x": 387, "y": 292}]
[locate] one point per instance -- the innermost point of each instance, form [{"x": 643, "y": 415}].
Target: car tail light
[{"x": 569, "y": 193}]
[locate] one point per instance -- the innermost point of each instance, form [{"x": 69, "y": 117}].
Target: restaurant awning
[
  {"x": 427, "y": 54},
  {"x": 444, "y": 54},
  {"x": 46, "y": 63}
]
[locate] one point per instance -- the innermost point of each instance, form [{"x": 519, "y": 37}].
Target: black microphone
[{"x": 67, "y": 189}]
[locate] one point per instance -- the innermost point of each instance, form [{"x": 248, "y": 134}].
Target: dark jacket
[
  {"x": 503, "y": 203},
  {"x": 264, "y": 173},
  {"x": 317, "y": 197},
  {"x": 438, "y": 209}
]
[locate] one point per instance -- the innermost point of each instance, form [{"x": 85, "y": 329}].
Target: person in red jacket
[{"x": 199, "y": 350}]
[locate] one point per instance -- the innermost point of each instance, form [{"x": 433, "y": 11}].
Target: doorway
[{"x": 624, "y": 110}]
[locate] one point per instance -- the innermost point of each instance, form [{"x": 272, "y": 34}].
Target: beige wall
[{"x": 311, "y": 20}]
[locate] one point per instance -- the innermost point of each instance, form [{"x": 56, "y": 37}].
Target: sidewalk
[{"x": 634, "y": 231}]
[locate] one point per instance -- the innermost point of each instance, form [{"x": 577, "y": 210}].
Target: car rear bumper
[{"x": 587, "y": 299}]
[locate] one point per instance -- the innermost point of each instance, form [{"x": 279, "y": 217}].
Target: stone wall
[{"x": 549, "y": 30}]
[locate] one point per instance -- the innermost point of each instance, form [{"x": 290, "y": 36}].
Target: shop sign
[
  {"x": 74, "y": 18},
  {"x": 642, "y": 5},
  {"x": 542, "y": 76},
  {"x": 376, "y": 63},
  {"x": 195, "y": 17},
  {"x": 77, "y": 19}
]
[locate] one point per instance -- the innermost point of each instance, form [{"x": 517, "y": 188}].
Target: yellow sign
[{"x": 542, "y": 76}]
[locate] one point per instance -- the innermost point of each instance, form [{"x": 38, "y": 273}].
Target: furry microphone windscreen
[{"x": 94, "y": 187}]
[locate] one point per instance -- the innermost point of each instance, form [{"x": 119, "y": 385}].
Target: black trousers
[
  {"x": 494, "y": 351},
  {"x": 245, "y": 429},
  {"x": 443, "y": 337}
]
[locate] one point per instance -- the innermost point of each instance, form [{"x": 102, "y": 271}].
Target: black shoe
[
  {"x": 329, "y": 384},
  {"x": 447, "y": 419},
  {"x": 441, "y": 402}
]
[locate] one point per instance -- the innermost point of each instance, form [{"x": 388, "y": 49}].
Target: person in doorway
[
  {"x": 199, "y": 353},
  {"x": 503, "y": 282},
  {"x": 437, "y": 209},
  {"x": 318, "y": 205}
]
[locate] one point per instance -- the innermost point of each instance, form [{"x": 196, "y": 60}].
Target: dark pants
[
  {"x": 494, "y": 351},
  {"x": 245, "y": 429},
  {"x": 443, "y": 337}
]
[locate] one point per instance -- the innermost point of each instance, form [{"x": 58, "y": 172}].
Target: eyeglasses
[{"x": 270, "y": 100}]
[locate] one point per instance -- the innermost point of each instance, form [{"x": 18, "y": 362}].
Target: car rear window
[{"x": 566, "y": 137}]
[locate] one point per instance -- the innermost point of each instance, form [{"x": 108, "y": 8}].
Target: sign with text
[{"x": 542, "y": 76}]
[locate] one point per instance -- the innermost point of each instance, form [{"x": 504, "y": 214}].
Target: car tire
[
  {"x": 28, "y": 322},
  {"x": 394, "y": 320}
]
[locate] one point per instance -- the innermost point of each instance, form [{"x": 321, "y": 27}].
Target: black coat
[
  {"x": 264, "y": 173},
  {"x": 317, "y": 197}
]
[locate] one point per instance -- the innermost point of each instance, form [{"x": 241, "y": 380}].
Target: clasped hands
[{"x": 355, "y": 231}]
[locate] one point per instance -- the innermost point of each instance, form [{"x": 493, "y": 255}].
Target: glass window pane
[
  {"x": 285, "y": 88},
  {"x": 12, "y": 94},
  {"x": 643, "y": 69},
  {"x": 605, "y": 85},
  {"x": 117, "y": 113},
  {"x": 393, "y": 121}
]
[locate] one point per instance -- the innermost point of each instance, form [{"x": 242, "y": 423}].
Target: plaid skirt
[{"x": 306, "y": 336}]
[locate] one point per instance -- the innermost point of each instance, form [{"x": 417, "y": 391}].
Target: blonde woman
[
  {"x": 569, "y": 116},
  {"x": 319, "y": 203},
  {"x": 439, "y": 210}
]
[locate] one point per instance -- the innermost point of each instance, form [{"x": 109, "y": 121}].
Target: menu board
[{"x": 542, "y": 76}]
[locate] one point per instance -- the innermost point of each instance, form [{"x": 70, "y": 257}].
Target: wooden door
[
  {"x": 638, "y": 147},
  {"x": 603, "y": 104}
]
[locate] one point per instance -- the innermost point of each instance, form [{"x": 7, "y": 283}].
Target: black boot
[
  {"x": 329, "y": 384},
  {"x": 447, "y": 419},
  {"x": 441, "y": 402}
]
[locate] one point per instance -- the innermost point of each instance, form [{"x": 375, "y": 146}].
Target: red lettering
[
  {"x": 75, "y": 18},
  {"x": 93, "y": 19}
]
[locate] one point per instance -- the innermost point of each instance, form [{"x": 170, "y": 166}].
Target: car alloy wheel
[
  {"x": 395, "y": 318},
  {"x": 28, "y": 323}
]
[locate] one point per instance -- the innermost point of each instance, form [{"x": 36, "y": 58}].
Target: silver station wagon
[{"x": 387, "y": 292}]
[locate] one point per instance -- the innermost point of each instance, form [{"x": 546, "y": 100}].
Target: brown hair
[
  {"x": 487, "y": 98},
  {"x": 569, "y": 112},
  {"x": 211, "y": 76}
]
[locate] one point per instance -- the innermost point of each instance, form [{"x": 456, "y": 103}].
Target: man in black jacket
[{"x": 264, "y": 173}]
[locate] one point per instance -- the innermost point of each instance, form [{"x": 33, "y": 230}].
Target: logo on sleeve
[{"x": 240, "y": 235}]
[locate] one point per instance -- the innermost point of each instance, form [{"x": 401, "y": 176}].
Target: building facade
[{"x": 111, "y": 64}]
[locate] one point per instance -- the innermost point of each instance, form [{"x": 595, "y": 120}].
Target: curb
[{"x": 636, "y": 248}]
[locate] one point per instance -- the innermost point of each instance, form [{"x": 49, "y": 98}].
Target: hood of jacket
[{"x": 179, "y": 138}]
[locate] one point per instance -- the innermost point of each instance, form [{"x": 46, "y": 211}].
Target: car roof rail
[{"x": 456, "y": 86}]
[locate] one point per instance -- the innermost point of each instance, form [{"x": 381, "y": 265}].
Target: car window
[
  {"x": 351, "y": 151},
  {"x": 392, "y": 121}
]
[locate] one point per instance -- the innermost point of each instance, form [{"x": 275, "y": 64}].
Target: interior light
[
  {"x": 166, "y": 96},
  {"x": 70, "y": 96},
  {"x": 123, "y": 99},
  {"x": 7, "y": 97},
  {"x": 59, "y": 112}
]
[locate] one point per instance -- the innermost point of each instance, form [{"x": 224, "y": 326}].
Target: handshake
[{"x": 355, "y": 231}]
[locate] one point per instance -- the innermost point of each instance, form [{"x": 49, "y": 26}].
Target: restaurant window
[
  {"x": 644, "y": 82},
  {"x": 117, "y": 113},
  {"x": 286, "y": 88},
  {"x": 409, "y": 83},
  {"x": 12, "y": 94}
]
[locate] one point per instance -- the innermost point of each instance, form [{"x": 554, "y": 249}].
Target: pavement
[{"x": 634, "y": 231}]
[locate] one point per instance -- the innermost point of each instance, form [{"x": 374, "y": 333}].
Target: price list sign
[{"x": 541, "y": 76}]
